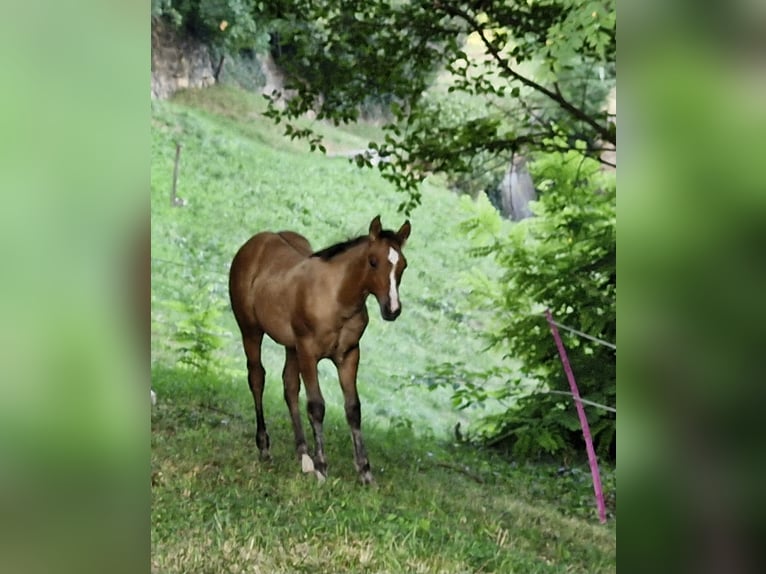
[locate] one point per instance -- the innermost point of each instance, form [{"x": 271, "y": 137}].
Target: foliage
[
  {"x": 329, "y": 51},
  {"x": 542, "y": 69},
  {"x": 228, "y": 25},
  {"x": 197, "y": 334},
  {"x": 563, "y": 259},
  {"x": 589, "y": 86}
]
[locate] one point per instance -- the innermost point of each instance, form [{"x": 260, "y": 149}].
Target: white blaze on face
[{"x": 393, "y": 294}]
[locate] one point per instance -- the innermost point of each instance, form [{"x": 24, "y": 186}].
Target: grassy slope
[
  {"x": 437, "y": 507},
  {"x": 236, "y": 186}
]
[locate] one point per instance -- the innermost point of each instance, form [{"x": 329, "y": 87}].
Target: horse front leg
[
  {"x": 347, "y": 369},
  {"x": 307, "y": 362}
]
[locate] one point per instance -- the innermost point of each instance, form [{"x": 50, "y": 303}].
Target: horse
[{"x": 313, "y": 303}]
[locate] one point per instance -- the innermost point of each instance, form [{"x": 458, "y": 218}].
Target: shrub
[{"x": 564, "y": 259}]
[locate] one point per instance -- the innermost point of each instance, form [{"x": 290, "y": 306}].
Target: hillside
[
  {"x": 438, "y": 506},
  {"x": 241, "y": 176}
]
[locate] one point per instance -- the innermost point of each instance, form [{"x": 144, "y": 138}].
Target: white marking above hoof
[
  {"x": 307, "y": 465},
  {"x": 320, "y": 477}
]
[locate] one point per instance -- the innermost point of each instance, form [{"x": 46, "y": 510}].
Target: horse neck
[{"x": 350, "y": 268}]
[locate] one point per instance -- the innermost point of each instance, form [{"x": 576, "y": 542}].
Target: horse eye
[{"x": 373, "y": 261}]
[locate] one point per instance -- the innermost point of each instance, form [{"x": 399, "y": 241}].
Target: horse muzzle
[{"x": 388, "y": 314}]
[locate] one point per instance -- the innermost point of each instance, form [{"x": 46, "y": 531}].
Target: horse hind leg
[{"x": 256, "y": 378}]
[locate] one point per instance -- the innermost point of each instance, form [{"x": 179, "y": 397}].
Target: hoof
[
  {"x": 265, "y": 456},
  {"x": 263, "y": 443},
  {"x": 366, "y": 478},
  {"x": 320, "y": 477},
  {"x": 307, "y": 465}
]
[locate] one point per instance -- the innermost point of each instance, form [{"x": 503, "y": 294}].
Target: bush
[
  {"x": 197, "y": 334},
  {"x": 563, "y": 259}
]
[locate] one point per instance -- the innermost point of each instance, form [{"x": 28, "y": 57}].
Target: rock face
[
  {"x": 177, "y": 62},
  {"x": 610, "y": 153},
  {"x": 516, "y": 190}
]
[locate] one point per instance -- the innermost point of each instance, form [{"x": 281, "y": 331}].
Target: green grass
[
  {"x": 437, "y": 506},
  {"x": 241, "y": 112}
]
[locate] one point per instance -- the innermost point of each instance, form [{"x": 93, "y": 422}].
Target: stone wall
[
  {"x": 177, "y": 62},
  {"x": 516, "y": 190},
  {"x": 610, "y": 154}
]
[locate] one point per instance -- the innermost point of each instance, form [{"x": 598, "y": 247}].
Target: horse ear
[
  {"x": 404, "y": 232},
  {"x": 375, "y": 228}
]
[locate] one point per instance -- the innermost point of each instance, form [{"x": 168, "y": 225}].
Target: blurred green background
[
  {"x": 74, "y": 376},
  {"x": 692, "y": 210}
]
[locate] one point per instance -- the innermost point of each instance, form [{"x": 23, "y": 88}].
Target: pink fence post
[{"x": 583, "y": 421}]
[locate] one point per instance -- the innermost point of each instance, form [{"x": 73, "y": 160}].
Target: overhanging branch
[{"x": 603, "y": 131}]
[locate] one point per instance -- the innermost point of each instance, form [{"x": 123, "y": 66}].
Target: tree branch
[
  {"x": 556, "y": 96},
  {"x": 461, "y": 468}
]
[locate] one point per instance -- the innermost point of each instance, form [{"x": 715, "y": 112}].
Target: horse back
[
  {"x": 262, "y": 268},
  {"x": 297, "y": 242}
]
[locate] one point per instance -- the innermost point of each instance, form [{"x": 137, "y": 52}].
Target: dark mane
[{"x": 329, "y": 252}]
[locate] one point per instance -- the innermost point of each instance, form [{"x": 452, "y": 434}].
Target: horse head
[{"x": 385, "y": 266}]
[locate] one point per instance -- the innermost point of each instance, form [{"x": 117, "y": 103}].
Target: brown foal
[{"x": 314, "y": 304}]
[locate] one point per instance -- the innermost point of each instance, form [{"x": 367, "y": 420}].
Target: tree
[
  {"x": 543, "y": 69},
  {"x": 563, "y": 259},
  {"x": 225, "y": 25}
]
